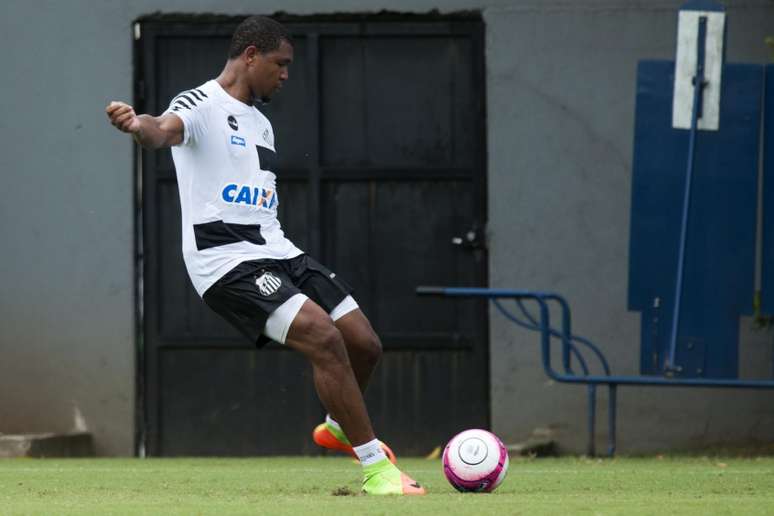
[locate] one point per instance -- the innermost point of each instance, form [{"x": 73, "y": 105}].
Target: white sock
[
  {"x": 370, "y": 453},
  {"x": 332, "y": 422}
]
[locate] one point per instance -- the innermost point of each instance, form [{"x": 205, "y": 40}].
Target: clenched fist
[{"x": 123, "y": 117}]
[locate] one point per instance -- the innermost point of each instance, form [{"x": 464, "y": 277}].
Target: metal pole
[
  {"x": 698, "y": 87},
  {"x": 592, "y": 415},
  {"x": 612, "y": 407}
]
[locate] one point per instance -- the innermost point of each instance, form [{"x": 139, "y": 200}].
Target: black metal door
[{"x": 380, "y": 134}]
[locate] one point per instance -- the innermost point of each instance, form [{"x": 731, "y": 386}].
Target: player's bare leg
[
  {"x": 315, "y": 336},
  {"x": 363, "y": 345},
  {"x": 365, "y": 350}
]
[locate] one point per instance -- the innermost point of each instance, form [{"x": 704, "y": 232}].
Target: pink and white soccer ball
[{"x": 475, "y": 461}]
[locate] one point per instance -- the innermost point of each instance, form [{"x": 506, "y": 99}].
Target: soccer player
[{"x": 237, "y": 256}]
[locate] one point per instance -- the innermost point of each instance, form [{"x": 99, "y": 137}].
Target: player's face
[{"x": 270, "y": 70}]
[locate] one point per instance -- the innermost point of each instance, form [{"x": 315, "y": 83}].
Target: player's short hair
[{"x": 263, "y": 33}]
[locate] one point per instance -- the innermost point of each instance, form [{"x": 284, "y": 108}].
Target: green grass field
[{"x": 330, "y": 486}]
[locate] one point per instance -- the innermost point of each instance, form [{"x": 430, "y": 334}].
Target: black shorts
[{"x": 247, "y": 294}]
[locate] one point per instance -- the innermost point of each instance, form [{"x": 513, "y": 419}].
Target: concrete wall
[
  {"x": 561, "y": 85},
  {"x": 560, "y": 92}
]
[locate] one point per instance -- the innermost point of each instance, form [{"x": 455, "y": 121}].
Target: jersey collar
[{"x": 236, "y": 105}]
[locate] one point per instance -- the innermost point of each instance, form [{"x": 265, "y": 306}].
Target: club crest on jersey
[
  {"x": 232, "y": 122},
  {"x": 249, "y": 195},
  {"x": 237, "y": 140},
  {"x": 268, "y": 283}
]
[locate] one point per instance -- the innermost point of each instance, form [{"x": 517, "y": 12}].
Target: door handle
[{"x": 471, "y": 239}]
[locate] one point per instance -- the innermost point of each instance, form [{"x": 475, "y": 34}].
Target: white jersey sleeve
[{"x": 191, "y": 107}]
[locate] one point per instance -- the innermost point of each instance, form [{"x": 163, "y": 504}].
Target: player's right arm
[{"x": 150, "y": 132}]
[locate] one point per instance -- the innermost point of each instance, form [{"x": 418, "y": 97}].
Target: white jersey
[{"x": 228, "y": 193}]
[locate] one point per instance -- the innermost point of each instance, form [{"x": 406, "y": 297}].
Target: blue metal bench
[{"x": 570, "y": 349}]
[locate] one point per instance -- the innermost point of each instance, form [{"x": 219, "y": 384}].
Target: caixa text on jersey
[{"x": 249, "y": 195}]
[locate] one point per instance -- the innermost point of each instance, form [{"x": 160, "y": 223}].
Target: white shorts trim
[
  {"x": 279, "y": 321},
  {"x": 343, "y": 308}
]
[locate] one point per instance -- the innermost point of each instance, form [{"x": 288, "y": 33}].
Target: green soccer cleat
[{"x": 383, "y": 478}]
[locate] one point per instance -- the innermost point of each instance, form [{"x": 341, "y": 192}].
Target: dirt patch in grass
[{"x": 343, "y": 491}]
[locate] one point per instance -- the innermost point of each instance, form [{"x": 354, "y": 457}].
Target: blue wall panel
[
  {"x": 720, "y": 249},
  {"x": 767, "y": 265}
]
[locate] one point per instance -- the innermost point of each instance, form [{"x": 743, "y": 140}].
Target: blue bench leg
[
  {"x": 592, "y": 391},
  {"x": 611, "y": 417}
]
